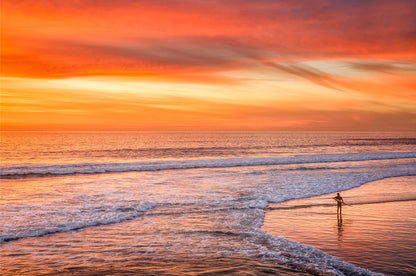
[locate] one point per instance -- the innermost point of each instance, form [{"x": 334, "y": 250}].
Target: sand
[{"x": 377, "y": 230}]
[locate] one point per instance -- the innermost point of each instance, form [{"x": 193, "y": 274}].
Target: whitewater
[{"x": 70, "y": 201}]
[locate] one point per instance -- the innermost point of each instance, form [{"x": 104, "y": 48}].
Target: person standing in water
[{"x": 339, "y": 201}]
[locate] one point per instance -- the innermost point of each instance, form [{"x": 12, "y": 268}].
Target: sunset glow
[{"x": 208, "y": 65}]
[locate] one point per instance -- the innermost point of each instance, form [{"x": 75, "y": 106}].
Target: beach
[
  {"x": 376, "y": 231},
  {"x": 197, "y": 203}
]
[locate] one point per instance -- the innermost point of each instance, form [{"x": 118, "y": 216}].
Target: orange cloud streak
[{"x": 137, "y": 37}]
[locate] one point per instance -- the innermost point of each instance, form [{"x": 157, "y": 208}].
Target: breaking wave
[{"x": 96, "y": 168}]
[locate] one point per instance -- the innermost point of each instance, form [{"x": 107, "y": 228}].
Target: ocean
[{"x": 178, "y": 203}]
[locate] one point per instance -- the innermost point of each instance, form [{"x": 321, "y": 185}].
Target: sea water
[
  {"x": 375, "y": 230},
  {"x": 177, "y": 202}
]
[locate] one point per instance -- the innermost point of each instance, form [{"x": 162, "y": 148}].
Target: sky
[{"x": 208, "y": 65}]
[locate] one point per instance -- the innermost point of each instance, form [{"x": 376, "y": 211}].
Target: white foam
[
  {"x": 94, "y": 168},
  {"x": 64, "y": 221},
  {"x": 239, "y": 199},
  {"x": 308, "y": 258}
]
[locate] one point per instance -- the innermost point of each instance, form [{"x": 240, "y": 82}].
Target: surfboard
[{"x": 341, "y": 201}]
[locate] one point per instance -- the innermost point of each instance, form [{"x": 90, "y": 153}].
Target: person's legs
[{"x": 339, "y": 206}]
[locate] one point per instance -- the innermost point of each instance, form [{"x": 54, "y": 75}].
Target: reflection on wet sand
[{"x": 374, "y": 231}]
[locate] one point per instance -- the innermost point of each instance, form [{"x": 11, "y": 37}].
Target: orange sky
[{"x": 208, "y": 65}]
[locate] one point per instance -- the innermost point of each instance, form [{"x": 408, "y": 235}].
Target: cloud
[
  {"x": 60, "y": 108},
  {"x": 385, "y": 67},
  {"x": 170, "y": 56},
  {"x": 309, "y": 73},
  {"x": 89, "y": 37}
]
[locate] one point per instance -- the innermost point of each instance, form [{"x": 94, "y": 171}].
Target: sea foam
[{"x": 96, "y": 168}]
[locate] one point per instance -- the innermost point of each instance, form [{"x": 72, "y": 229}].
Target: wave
[
  {"x": 114, "y": 216},
  {"x": 306, "y": 258},
  {"x": 163, "y": 150},
  {"x": 382, "y": 141},
  {"x": 331, "y": 205},
  {"x": 96, "y": 168},
  {"x": 197, "y": 151}
]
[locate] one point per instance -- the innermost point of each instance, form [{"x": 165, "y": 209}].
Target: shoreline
[{"x": 375, "y": 232}]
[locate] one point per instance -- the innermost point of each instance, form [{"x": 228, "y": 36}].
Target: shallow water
[
  {"x": 376, "y": 230},
  {"x": 111, "y": 202}
]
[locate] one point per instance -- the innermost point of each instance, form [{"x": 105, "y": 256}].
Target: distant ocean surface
[{"x": 177, "y": 203}]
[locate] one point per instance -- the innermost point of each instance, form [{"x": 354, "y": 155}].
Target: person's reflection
[
  {"x": 339, "y": 218},
  {"x": 340, "y": 226}
]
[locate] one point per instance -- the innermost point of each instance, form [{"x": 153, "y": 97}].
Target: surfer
[{"x": 339, "y": 201}]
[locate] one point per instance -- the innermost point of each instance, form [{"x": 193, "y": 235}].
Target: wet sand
[
  {"x": 377, "y": 230},
  {"x": 235, "y": 265}
]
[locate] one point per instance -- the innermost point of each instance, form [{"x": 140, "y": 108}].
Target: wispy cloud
[
  {"x": 309, "y": 73},
  {"x": 73, "y": 37},
  {"x": 385, "y": 66}
]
